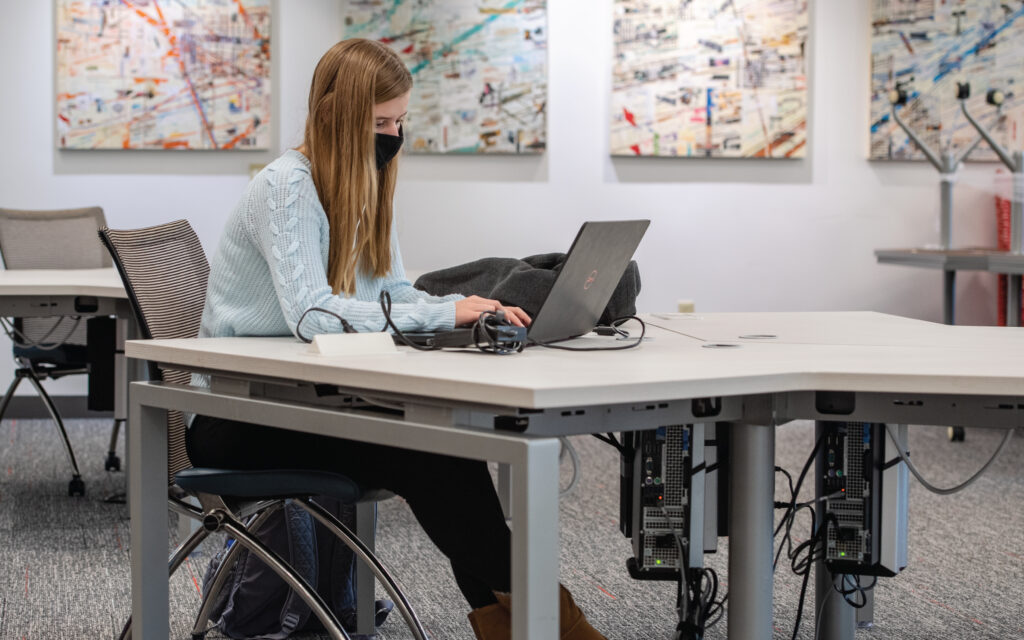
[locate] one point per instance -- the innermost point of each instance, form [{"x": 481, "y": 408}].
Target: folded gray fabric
[{"x": 524, "y": 283}]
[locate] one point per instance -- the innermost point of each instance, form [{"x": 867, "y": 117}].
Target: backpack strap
[{"x": 303, "y": 555}]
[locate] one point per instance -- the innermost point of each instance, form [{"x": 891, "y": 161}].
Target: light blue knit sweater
[{"x": 271, "y": 266}]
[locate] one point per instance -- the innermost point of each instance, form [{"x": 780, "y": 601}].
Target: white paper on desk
[{"x": 353, "y": 344}]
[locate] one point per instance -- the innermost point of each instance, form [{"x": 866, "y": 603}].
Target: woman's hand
[{"x": 469, "y": 309}]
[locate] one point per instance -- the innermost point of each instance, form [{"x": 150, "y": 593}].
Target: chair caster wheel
[
  {"x": 76, "y": 487},
  {"x": 956, "y": 434},
  {"x": 112, "y": 463}
]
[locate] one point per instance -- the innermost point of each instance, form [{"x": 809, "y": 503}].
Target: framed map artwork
[
  {"x": 710, "y": 79},
  {"x": 479, "y": 70},
  {"x": 156, "y": 74}
]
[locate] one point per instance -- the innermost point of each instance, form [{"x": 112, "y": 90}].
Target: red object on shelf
[{"x": 1004, "y": 189}]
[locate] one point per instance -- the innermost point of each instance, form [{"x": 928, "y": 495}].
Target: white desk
[
  {"x": 453, "y": 400},
  {"x": 73, "y": 292},
  {"x": 99, "y": 283}
]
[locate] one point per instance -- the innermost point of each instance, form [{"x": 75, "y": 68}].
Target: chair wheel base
[
  {"x": 956, "y": 434},
  {"x": 76, "y": 487},
  {"x": 112, "y": 463}
]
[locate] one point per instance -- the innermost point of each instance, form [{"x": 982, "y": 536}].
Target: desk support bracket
[{"x": 902, "y": 408}]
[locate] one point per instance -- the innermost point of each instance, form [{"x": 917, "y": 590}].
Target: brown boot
[
  {"x": 493, "y": 622},
  {"x": 572, "y": 625}
]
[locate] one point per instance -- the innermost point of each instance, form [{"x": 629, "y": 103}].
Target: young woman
[{"x": 312, "y": 242}]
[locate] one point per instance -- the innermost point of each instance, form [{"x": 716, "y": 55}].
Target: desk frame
[
  {"x": 460, "y": 429},
  {"x": 998, "y": 261},
  {"x": 48, "y": 305}
]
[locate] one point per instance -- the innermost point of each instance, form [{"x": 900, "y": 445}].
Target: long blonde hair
[{"x": 349, "y": 80}]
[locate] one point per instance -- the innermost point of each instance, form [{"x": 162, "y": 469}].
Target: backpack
[
  {"x": 255, "y": 603},
  {"x": 524, "y": 283}
]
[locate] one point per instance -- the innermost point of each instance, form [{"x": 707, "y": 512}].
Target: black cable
[
  {"x": 688, "y": 605},
  {"x": 815, "y": 552},
  {"x": 789, "y": 516},
  {"x": 385, "y": 307},
  {"x": 484, "y": 330},
  {"x": 803, "y": 556},
  {"x": 789, "y": 477},
  {"x": 611, "y": 436},
  {"x": 485, "y": 334},
  {"x": 615, "y": 323},
  {"x": 345, "y": 326},
  {"x": 716, "y": 612},
  {"x": 856, "y": 588},
  {"x": 606, "y": 440},
  {"x": 699, "y": 609}
]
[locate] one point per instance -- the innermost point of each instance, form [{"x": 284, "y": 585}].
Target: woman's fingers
[
  {"x": 517, "y": 316},
  {"x": 475, "y": 305}
]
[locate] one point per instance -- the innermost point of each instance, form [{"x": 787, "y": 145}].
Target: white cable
[
  {"x": 821, "y": 609},
  {"x": 959, "y": 487},
  {"x": 382, "y": 403}
]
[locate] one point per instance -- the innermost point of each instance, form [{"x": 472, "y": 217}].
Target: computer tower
[
  {"x": 866, "y": 485},
  {"x": 662, "y": 501}
]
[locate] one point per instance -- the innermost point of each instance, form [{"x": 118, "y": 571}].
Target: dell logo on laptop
[{"x": 590, "y": 279}]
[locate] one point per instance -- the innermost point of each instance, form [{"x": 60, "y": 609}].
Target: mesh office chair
[
  {"x": 52, "y": 347},
  {"x": 165, "y": 274}
]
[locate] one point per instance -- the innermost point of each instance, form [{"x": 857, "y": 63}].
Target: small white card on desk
[{"x": 353, "y": 344}]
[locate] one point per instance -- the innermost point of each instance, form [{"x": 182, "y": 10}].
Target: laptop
[{"x": 593, "y": 266}]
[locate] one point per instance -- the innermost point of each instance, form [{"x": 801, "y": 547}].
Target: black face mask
[{"x": 386, "y": 147}]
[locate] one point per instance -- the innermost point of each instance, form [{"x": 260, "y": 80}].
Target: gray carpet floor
[{"x": 64, "y": 561}]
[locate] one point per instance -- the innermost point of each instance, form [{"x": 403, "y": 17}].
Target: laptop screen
[{"x": 593, "y": 267}]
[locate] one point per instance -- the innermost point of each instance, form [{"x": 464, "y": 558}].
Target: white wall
[{"x": 732, "y": 235}]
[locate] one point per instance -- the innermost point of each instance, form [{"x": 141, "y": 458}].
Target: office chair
[
  {"x": 47, "y": 347},
  {"x": 165, "y": 274}
]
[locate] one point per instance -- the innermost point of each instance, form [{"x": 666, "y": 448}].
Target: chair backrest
[
  {"x": 57, "y": 239},
  {"x": 165, "y": 272},
  {"x": 53, "y": 239}
]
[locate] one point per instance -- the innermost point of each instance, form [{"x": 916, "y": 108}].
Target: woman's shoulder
[
  {"x": 287, "y": 169},
  {"x": 281, "y": 181},
  {"x": 284, "y": 185}
]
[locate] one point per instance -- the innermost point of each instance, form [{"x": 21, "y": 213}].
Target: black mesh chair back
[{"x": 165, "y": 271}]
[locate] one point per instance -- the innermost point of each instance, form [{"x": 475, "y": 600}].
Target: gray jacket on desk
[{"x": 524, "y": 283}]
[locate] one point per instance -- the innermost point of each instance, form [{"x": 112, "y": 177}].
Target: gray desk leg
[
  {"x": 866, "y": 614},
  {"x": 147, "y": 505},
  {"x": 121, "y": 366},
  {"x": 1013, "y": 300},
  {"x": 366, "y": 583},
  {"x": 949, "y": 297},
  {"x": 836, "y": 620},
  {"x": 535, "y": 541},
  {"x": 834, "y": 617},
  {"x": 505, "y": 489},
  {"x": 751, "y": 495}
]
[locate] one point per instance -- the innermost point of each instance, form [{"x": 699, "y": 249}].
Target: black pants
[{"x": 452, "y": 498}]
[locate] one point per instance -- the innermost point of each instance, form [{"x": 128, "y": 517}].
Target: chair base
[
  {"x": 113, "y": 462},
  {"x": 76, "y": 487}
]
